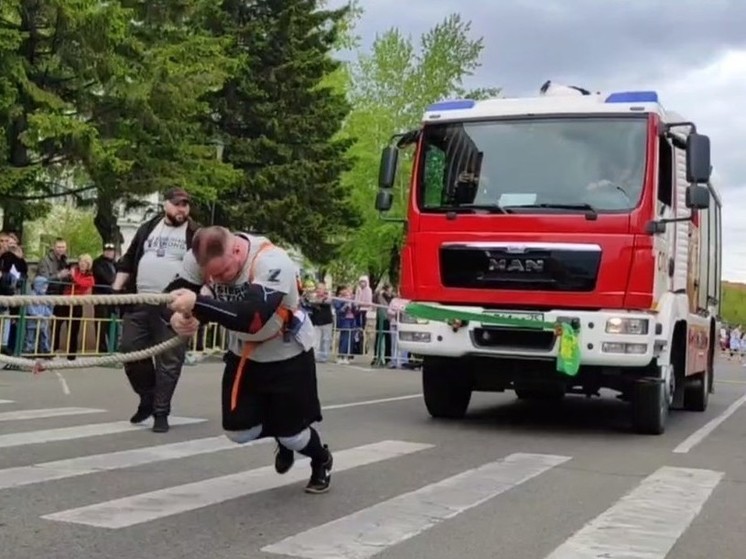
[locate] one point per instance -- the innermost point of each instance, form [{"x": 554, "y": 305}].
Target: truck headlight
[
  {"x": 407, "y": 319},
  {"x": 621, "y": 325}
]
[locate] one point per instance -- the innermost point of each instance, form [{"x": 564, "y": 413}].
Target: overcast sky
[{"x": 693, "y": 52}]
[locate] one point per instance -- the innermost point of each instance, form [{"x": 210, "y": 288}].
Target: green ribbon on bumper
[{"x": 568, "y": 356}]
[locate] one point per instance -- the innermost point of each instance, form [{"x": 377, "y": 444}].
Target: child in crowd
[
  {"x": 346, "y": 319},
  {"x": 38, "y": 319}
]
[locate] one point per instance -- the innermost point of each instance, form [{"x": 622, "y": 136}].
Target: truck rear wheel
[
  {"x": 447, "y": 388},
  {"x": 697, "y": 393}
]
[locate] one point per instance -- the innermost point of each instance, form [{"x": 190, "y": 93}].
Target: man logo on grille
[{"x": 517, "y": 265}]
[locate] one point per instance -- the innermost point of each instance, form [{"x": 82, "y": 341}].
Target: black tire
[
  {"x": 650, "y": 406},
  {"x": 697, "y": 394},
  {"x": 699, "y": 387},
  {"x": 446, "y": 388}
]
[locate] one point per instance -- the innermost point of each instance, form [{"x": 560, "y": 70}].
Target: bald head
[{"x": 219, "y": 253}]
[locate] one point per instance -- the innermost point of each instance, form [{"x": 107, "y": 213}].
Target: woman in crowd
[{"x": 81, "y": 283}]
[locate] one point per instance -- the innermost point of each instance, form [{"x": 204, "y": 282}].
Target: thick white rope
[
  {"x": 78, "y": 300},
  {"x": 38, "y": 365}
]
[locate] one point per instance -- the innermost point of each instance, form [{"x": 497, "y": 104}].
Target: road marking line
[
  {"x": 145, "y": 507},
  {"x": 62, "y": 469},
  {"x": 366, "y": 533},
  {"x": 647, "y": 521},
  {"x": 725, "y": 381},
  {"x": 44, "y": 413},
  {"x": 81, "y": 431},
  {"x": 371, "y": 402},
  {"x": 699, "y": 435},
  {"x": 6, "y": 401},
  {"x": 358, "y": 368}
]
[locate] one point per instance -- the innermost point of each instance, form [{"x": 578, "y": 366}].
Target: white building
[{"x": 130, "y": 220}]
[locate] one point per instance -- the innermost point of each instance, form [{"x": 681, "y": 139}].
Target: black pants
[
  {"x": 102, "y": 314},
  {"x": 281, "y": 396},
  {"x": 73, "y": 329},
  {"x": 382, "y": 351},
  {"x": 155, "y": 382}
]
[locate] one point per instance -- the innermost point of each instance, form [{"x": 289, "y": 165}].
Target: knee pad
[
  {"x": 296, "y": 442},
  {"x": 244, "y": 436}
]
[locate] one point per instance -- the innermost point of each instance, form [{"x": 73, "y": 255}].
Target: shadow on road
[{"x": 572, "y": 415}]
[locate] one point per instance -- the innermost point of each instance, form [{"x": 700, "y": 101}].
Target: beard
[{"x": 176, "y": 218}]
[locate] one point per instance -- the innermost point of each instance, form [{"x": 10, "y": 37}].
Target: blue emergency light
[
  {"x": 633, "y": 97},
  {"x": 452, "y": 105}
]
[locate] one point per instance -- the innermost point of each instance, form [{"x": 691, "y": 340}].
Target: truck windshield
[{"x": 556, "y": 164}]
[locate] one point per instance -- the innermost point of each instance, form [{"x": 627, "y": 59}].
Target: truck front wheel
[
  {"x": 650, "y": 406},
  {"x": 653, "y": 397},
  {"x": 447, "y": 388}
]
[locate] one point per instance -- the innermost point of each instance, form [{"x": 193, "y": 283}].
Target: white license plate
[{"x": 537, "y": 316}]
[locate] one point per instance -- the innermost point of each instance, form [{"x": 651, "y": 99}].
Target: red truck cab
[{"x": 592, "y": 208}]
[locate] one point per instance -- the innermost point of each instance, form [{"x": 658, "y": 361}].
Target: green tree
[
  {"x": 279, "y": 118},
  {"x": 110, "y": 96},
  {"x": 54, "y": 55},
  {"x": 733, "y": 307},
  {"x": 153, "y": 113},
  {"x": 74, "y": 225},
  {"x": 389, "y": 88}
]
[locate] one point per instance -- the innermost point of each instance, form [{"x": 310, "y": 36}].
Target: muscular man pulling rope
[{"x": 269, "y": 386}]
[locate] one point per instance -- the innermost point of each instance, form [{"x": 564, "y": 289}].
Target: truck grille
[
  {"x": 526, "y": 267},
  {"x": 513, "y": 338}
]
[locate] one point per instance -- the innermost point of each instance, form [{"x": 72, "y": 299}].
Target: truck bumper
[{"x": 610, "y": 338}]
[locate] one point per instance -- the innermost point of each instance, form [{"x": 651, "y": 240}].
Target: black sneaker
[
  {"x": 160, "y": 424},
  {"x": 143, "y": 412},
  {"x": 284, "y": 459},
  {"x": 321, "y": 474}
]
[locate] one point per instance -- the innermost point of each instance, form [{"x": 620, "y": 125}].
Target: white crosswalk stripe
[
  {"x": 192, "y": 496},
  {"x": 81, "y": 431},
  {"x": 6, "y": 401},
  {"x": 45, "y": 413},
  {"x": 646, "y": 522},
  {"x": 62, "y": 469},
  {"x": 361, "y": 535}
]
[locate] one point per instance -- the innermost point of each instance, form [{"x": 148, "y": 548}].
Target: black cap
[{"x": 176, "y": 195}]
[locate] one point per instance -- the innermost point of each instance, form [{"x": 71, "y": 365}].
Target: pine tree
[
  {"x": 54, "y": 56},
  {"x": 280, "y": 124},
  {"x": 150, "y": 116},
  {"x": 108, "y": 95}
]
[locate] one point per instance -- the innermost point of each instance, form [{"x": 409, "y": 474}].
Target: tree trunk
[
  {"x": 14, "y": 211},
  {"x": 106, "y": 220},
  {"x": 394, "y": 265},
  {"x": 13, "y": 218}
]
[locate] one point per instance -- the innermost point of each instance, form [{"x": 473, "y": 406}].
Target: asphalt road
[{"x": 513, "y": 480}]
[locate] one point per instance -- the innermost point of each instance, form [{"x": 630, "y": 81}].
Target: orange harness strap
[{"x": 248, "y": 347}]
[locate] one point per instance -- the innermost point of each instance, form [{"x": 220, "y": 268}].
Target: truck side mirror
[
  {"x": 697, "y": 197},
  {"x": 384, "y": 200},
  {"x": 698, "y": 165},
  {"x": 387, "y": 169}
]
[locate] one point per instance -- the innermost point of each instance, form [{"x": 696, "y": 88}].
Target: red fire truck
[{"x": 593, "y": 208}]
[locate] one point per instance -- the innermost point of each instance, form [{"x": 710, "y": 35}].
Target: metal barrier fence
[{"x": 86, "y": 333}]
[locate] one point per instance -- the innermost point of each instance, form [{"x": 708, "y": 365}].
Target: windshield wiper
[
  {"x": 491, "y": 208},
  {"x": 590, "y": 215}
]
